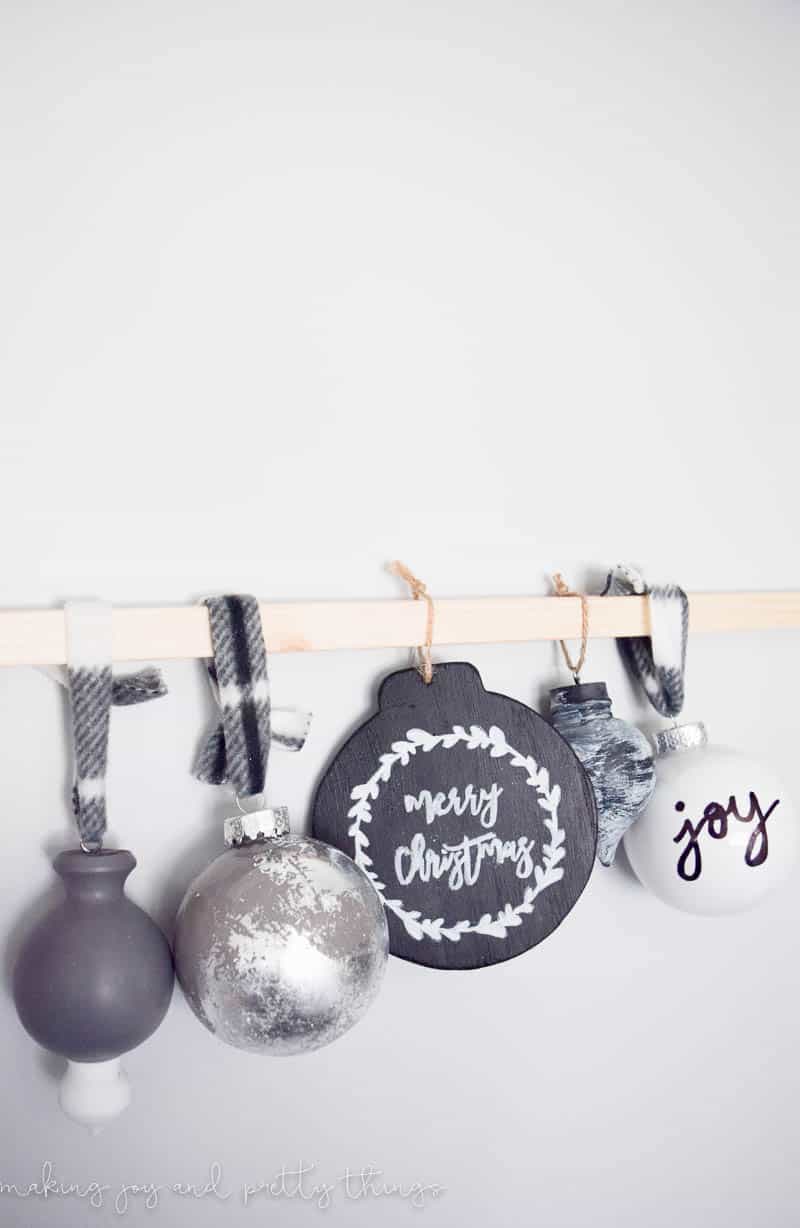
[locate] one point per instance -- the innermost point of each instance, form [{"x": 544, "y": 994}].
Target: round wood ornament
[{"x": 473, "y": 818}]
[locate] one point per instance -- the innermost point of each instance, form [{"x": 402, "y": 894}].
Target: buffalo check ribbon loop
[
  {"x": 236, "y": 751},
  {"x": 657, "y": 660},
  {"x": 92, "y": 690}
]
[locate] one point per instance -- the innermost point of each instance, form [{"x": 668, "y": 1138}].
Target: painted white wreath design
[{"x": 476, "y": 738}]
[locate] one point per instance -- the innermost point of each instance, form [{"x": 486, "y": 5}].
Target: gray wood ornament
[
  {"x": 94, "y": 978},
  {"x": 470, "y": 814},
  {"x": 616, "y": 755}
]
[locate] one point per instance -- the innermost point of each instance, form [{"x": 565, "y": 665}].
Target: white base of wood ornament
[
  {"x": 94, "y": 1093},
  {"x": 720, "y": 831}
]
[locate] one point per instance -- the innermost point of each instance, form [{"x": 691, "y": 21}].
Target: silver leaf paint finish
[
  {"x": 617, "y": 757},
  {"x": 281, "y": 945}
]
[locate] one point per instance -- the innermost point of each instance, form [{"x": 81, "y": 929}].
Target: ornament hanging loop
[
  {"x": 257, "y": 799},
  {"x": 419, "y": 591},
  {"x": 236, "y": 752},
  {"x": 658, "y": 660},
  {"x": 88, "y": 626},
  {"x": 92, "y": 691},
  {"x": 563, "y": 590}
]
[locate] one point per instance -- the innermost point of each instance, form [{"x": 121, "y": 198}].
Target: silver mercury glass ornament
[{"x": 281, "y": 943}]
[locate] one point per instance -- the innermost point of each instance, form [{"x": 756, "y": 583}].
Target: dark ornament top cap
[
  {"x": 577, "y": 694},
  {"x": 76, "y": 862}
]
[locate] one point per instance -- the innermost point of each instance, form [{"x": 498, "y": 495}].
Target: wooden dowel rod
[{"x": 37, "y": 637}]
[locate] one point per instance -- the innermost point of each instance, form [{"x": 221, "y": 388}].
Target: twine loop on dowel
[
  {"x": 92, "y": 691},
  {"x": 563, "y": 590},
  {"x": 419, "y": 592},
  {"x": 236, "y": 751},
  {"x": 657, "y": 660}
]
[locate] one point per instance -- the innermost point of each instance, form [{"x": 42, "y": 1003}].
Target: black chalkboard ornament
[{"x": 472, "y": 817}]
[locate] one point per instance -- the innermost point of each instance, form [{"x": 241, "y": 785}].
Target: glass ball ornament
[
  {"x": 281, "y": 943},
  {"x": 720, "y": 831}
]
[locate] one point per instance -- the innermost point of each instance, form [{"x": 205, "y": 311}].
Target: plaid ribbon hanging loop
[
  {"x": 657, "y": 660},
  {"x": 92, "y": 691},
  {"x": 236, "y": 752}
]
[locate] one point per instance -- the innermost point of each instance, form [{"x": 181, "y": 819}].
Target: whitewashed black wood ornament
[
  {"x": 616, "y": 755},
  {"x": 471, "y": 815}
]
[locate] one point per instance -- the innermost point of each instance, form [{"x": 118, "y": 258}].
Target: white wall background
[{"x": 292, "y": 289}]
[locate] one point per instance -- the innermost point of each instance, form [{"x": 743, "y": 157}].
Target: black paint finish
[{"x": 473, "y": 817}]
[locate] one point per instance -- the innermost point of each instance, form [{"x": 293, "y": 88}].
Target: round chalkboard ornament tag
[{"x": 470, "y": 814}]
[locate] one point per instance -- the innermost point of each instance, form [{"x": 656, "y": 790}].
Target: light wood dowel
[{"x": 36, "y": 637}]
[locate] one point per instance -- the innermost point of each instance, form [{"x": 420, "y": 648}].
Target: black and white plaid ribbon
[
  {"x": 657, "y": 660},
  {"x": 92, "y": 690},
  {"x": 236, "y": 752}
]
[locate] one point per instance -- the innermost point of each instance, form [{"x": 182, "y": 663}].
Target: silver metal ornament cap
[
  {"x": 679, "y": 738},
  {"x": 256, "y": 826}
]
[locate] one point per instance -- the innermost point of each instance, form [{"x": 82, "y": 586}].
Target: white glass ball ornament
[{"x": 720, "y": 830}]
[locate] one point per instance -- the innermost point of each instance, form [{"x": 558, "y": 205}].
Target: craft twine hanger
[
  {"x": 563, "y": 590},
  {"x": 419, "y": 592}
]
